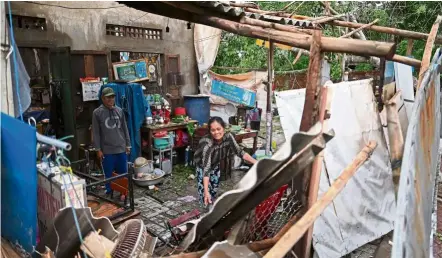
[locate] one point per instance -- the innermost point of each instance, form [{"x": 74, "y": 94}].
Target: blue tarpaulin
[
  {"x": 130, "y": 98},
  {"x": 19, "y": 182}
]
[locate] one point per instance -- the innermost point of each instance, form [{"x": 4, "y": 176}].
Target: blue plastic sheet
[
  {"x": 130, "y": 98},
  {"x": 19, "y": 182}
]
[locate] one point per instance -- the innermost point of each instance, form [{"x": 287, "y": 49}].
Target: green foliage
[{"x": 238, "y": 51}]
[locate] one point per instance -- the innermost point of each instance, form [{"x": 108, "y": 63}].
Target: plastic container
[
  {"x": 180, "y": 111},
  {"x": 198, "y": 107}
]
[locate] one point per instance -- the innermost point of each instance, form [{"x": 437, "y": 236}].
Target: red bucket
[{"x": 180, "y": 111}]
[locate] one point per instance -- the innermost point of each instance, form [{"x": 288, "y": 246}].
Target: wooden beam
[
  {"x": 393, "y": 31},
  {"x": 324, "y": 105},
  {"x": 271, "y": 25},
  {"x": 406, "y": 60},
  {"x": 310, "y": 116},
  {"x": 294, "y": 234},
  {"x": 359, "y": 29},
  {"x": 426, "y": 58},
  {"x": 329, "y": 44}
]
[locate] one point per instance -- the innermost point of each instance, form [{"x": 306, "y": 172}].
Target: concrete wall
[{"x": 82, "y": 26}]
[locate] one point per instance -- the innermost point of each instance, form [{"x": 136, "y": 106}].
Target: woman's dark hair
[{"x": 217, "y": 119}]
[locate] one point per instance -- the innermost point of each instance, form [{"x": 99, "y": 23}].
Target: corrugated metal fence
[{"x": 413, "y": 225}]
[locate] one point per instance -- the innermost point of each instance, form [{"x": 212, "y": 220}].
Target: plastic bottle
[{"x": 187, "y": 155}]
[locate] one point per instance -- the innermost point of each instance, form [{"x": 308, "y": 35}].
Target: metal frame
[{"x": 98, "y": 182}]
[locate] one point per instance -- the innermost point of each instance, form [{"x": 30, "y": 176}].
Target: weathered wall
[
  {"x": 7, "y": 100},
  {"x": 84, "y": 28}
]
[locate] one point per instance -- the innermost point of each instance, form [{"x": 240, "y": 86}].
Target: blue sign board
[{"x": 233, "y": 93}]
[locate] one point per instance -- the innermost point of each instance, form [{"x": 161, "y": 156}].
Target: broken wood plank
[
  {"x": 258, "y": 11},
  {"x": 396, "y": 140},
  {"x": 295, "y": 233},
  {"x": 359, "y": 29},
  {"x": 329, "y": 44},
  {"x": 426, "y": 58}
]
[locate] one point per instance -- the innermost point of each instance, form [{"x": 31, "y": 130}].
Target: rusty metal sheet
[
  {"x": 413, "y": 225},
  {"x": 262, "y": 180}
]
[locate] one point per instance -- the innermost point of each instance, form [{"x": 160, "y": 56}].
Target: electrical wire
[
  {"x": 77, "y": 8},
  {"x": 14, "y": 60}
]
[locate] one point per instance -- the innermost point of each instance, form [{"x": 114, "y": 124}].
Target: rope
[{"x": 14, "y": 60}]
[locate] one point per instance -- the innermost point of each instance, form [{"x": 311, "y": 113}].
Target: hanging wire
[{"x": 14, "y": 60}]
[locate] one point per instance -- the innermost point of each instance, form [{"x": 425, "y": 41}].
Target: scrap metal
[
  {"x": 262, "y": 180},
  {"x": 413, "y": 225}
]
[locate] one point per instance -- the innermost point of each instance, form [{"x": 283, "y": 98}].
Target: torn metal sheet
[
  {"x": 413, "y": 225},
  {"x": 262, "y": 180},
  {"x": 62, "y": 236},
  {"x": 226, "y": 250}
]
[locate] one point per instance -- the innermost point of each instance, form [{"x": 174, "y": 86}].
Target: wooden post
[
  {"x": 426, "y": 58},
  {"x": 316, "y": 169},
  {"x": 313, "y": 79},
  {"x": 409, "y": 47},
  {"x": 295, "y": 233},
  {"x": 269, "y": 99},
  {"x": 310, "y": 116}
]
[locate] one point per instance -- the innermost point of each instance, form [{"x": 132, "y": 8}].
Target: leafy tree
[{"x": 238, "y": 51}]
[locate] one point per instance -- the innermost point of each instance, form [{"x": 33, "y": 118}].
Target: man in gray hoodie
[{"x": 110, "y": 135}]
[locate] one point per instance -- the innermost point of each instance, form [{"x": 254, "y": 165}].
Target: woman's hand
[
  {"x": 207, "y": 198},
  {"x": 249, "y": 158}
]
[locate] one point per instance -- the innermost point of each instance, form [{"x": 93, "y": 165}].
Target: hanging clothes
[{"x": 130, "y": 98}]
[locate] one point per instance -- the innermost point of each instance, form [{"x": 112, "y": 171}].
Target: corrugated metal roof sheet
[{"x": 239, "y": 12}]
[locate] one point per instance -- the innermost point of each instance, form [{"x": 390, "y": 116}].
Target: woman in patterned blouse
[{"x": 212, "y": 149}]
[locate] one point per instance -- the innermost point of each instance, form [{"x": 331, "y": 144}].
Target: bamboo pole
[
  {"x": 359, "y": 29},
  {"x": 426, "y": 58},
  {"x": 294, "y": 234}
]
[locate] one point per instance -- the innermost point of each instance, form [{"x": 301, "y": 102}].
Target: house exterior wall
[
  {"x": 82, "y": 26},
  {"x": 7, "y": 99}
]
